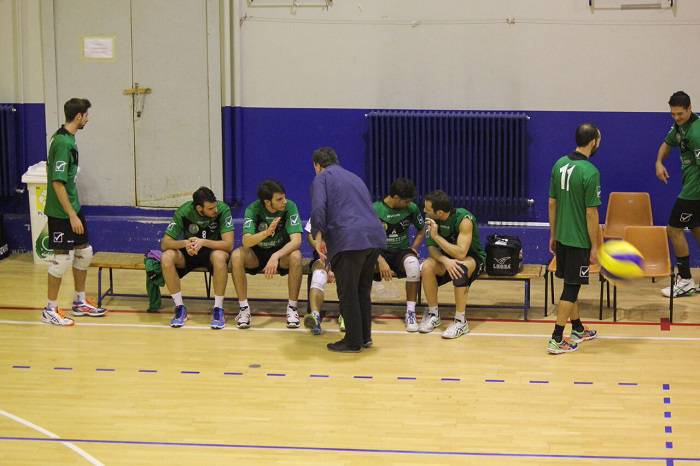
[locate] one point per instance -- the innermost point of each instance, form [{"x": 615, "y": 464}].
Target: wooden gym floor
[{"x": 127, "y": 389}]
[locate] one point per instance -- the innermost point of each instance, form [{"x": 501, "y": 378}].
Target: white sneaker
[
  {"x": 429, "y": 322},
  {"x": 243, "y": 318},
  {"x": 683, "y": 287},
  {"x": 411, "y": 322},
  {"x": 456, "y": 329},
  {"x": 292, "y": 317},
  {"x": 56, "y": 317}
]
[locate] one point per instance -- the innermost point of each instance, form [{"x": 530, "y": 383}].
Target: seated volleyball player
[
  {"x": 271, "y": 242},
  {"x": 320, "y": 275},
  {"x": 398, "y": 212},
  {"x": 199, "y": 235},
  {"x": 456, "y": 255}
]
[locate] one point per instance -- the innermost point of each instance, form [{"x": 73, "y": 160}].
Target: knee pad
[
  {"x": 570, "y": 292},
  {"x": 82, "y": 258},
  {"x": 462, "y": 281},
  {"x": 319, "y": 279},
  {"x": 411, "y": 265},
  {"x": 60, "y": 263}
]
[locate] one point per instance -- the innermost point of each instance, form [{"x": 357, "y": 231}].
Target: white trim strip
[
  {"x": 89, "y": 458},
  {"x": 335, "y": 330}
]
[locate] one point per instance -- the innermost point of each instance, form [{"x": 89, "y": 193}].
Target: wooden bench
[
  {"x": 127, "y": 261},
  {"x": 526, "y": 275},
  {"x": 134, "y": 261}
]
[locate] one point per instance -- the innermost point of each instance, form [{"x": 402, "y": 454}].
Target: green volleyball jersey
[
  {"x": 258, "y": 218},
  {"x": 687, "y": 138},
  {"x": 62, "y": 165},
  {"x": 449, "y": 229},
  {"x": 396, "y": 223},
  {"x": 187, "y": 222},
  {"x": 575, "y": 184}
]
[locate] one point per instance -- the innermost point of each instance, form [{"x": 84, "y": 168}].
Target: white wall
[
  {"x": 558, "y": 55},
  {"x": 21, "y": 79}
]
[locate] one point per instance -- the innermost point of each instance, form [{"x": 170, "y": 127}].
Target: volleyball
[{"x": 620, "y": 260}]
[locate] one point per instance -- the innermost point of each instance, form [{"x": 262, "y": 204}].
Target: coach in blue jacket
[{"x": 349, "y": 233}]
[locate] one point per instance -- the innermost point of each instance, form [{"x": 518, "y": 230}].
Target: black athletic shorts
[
  {"x": 202, "y": 259},
  {"x": 462, "y": 282},
  {"x": 573, "y": 264},
  {"x": 395, "y": 260},
  {"x": 263, "y": 256},
  {"x": 61, "y": 236},
  {"x": 685, "y": 214}
]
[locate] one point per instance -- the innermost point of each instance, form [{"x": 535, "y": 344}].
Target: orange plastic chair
[
  {"x": 594, "y": 269},
  {"x": 626, "y": 209},
  {"x": 652, "y": 242}
]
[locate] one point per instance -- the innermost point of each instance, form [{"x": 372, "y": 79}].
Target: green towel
[{"x": 154, "y": 280}]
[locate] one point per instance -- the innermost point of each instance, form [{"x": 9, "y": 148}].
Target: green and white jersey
[
  {"x": 687, "y": 138},
  {"x": 575, "y": 184},
  {"x": 187, "y": 222},
  {"x": 396, "y": 223},
  {"x": 258, "y": 218},
  {"x": 449, "y": 229},
  {"x": 62, "y": 165}
]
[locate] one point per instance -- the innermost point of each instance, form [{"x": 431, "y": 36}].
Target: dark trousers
[{"x": 353, "y": 277}]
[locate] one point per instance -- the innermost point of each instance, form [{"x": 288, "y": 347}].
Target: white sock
[
  {"x": 433, "y": 310},
  {"x": 218, "y": 301},
  {"x": 177, "y": 298},
  {"x": 292, "y": 304},
  {"x": 242, "y": 303},
  {"x": 80, "y": 296},
  {"x": 460, "y": 316},
  {"x": 53, "y": 305},
  {"x": 316, "y": 314},
  {"x": 410, "y": 307}
]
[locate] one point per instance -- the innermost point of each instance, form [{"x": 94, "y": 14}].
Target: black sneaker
[{"x": 342, "y": 347}]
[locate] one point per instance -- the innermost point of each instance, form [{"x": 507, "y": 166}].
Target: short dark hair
[
  {"x": 325, "y": 156},
  {"x": 268, "y": 188},
  {"x": 202, "y": 195},
  {"x": 74, "y": 106},
  {"x": 679, "y": 99},
  {"x": 439, "y": 200},
  {"x": 585, "y": 133},
  {"x": 404, "y": 188}
]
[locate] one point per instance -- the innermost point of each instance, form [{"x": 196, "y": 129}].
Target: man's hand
[
  {"x": 432, "y": 228},
  {"x": 552, "y": 245},
  {"x": 322, "y": 250},
  {"x": 384, "y": 269},
  {"x": 661, "y": 172},
  {"x": 331, "y": 276},
  {"x": 194, "y": 244},
  {"x": 270, "y": 231},
  {"x": 76, "y": 225},
  {"x": 271, "y": 267},
  {"x": 453, "y": 268},
  {"x": 594, "y": 255}
]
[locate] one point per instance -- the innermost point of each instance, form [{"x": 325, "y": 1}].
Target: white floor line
[
  {"x": 436, "y": 333},
  {"x": 90, "y": 459}
]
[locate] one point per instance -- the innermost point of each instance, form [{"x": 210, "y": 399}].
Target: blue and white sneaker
[
  {"x": 56, "y": 317},
  {"x": 180, "y": 317},
  {"x": 218, "y": 321},
  {"x": 312, "y": 321}
]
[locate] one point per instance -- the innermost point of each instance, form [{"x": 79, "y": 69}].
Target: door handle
[{"x": 139, "y": 95}]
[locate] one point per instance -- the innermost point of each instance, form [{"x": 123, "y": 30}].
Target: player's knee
[
  {"x": 82, "y": 258},
  {"x": 463, "y": 281},
  {"x": 295, "y": 258},
  {"x": 219, "y": 259},
  {"x": 60, "y": 264},
  {"x": 570, "y": 292},
  {"x": 319, "y": 279},
  {"x": 427, "y": 267},
  {"x": 237, "y": 257},
  {"x": 412, "y": 267}
]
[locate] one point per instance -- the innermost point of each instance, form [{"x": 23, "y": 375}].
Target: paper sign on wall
[{"x": 99, "y": 48}]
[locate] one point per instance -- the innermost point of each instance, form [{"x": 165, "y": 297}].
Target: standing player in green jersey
[
  {"x": 398, "y": 212},
  {"x": 574, "y": 197},
  {"x": 456, "y": 255},
  {"x": 684, "y": 134},
  {"x": 68, "y": 232},
  {"x": 271, "y": 244},
  {"x": 199, "y": 235}
]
